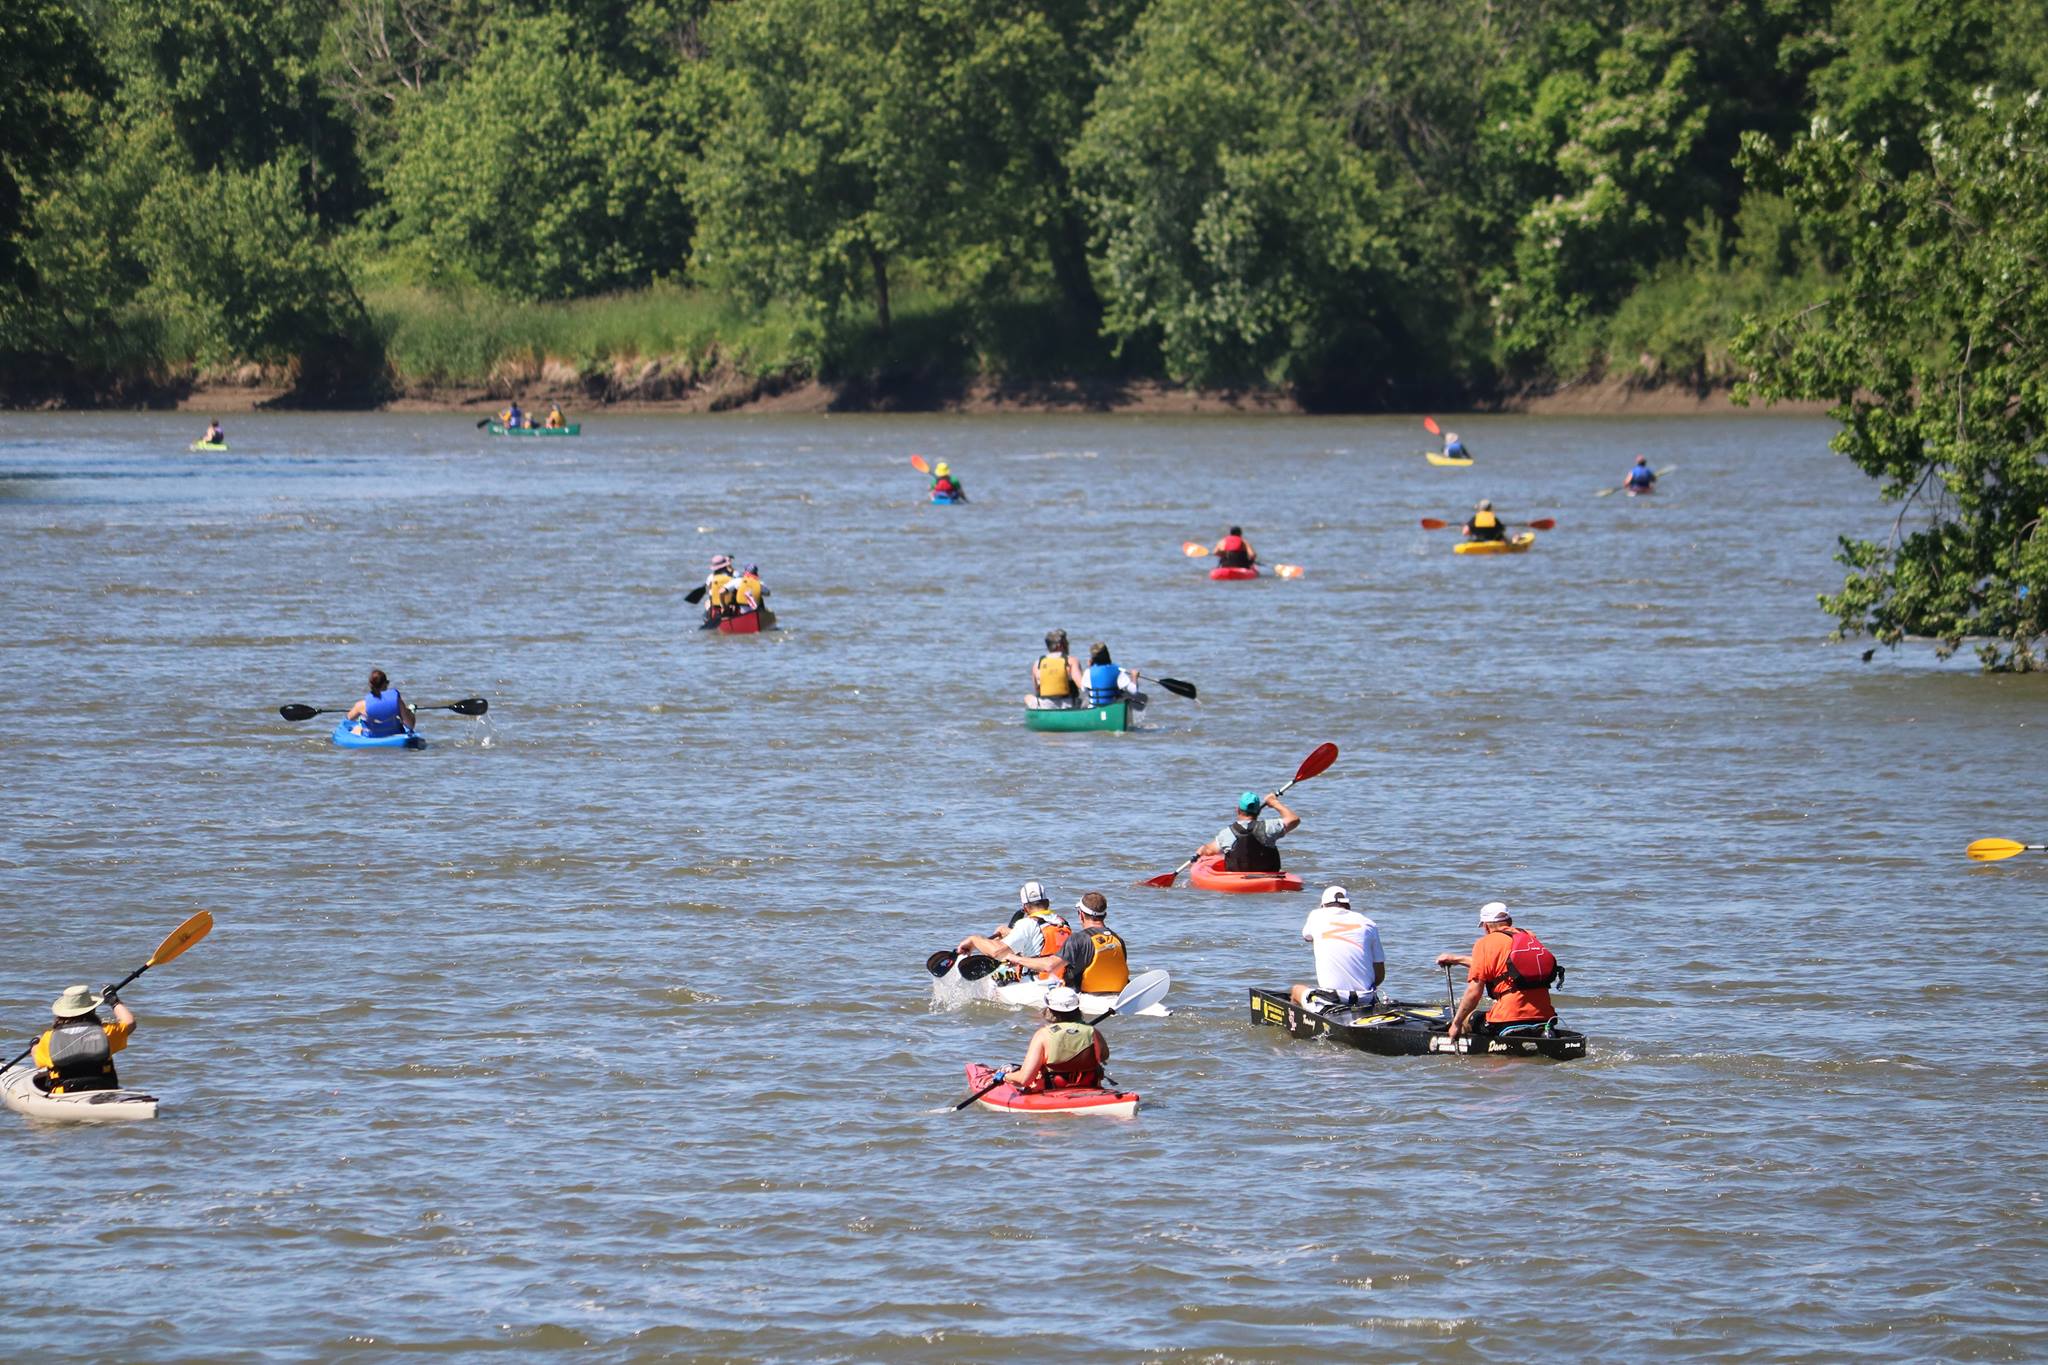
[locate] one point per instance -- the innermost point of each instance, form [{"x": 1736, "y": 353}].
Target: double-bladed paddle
[
  {"x": 1323, "y": 756},
  {"x": 181, "y": 938},
  {"x": 1995, "y": 850},
  {"x": 468, "y": 706},
  {"x": 1195, "y": 549},
  {"x": 1540, "y": 524},
  {"x": 973, "y": 966},
  {"x": 1143, "y": 992}
]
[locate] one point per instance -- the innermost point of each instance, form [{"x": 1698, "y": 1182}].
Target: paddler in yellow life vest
[
  {"x": 1036, "y": 930},
  {"x": 721, "y": 591},
  {"x": 1066, "y": 1053},
  {"x": 1092, "y": 959},
  {"x": 1485, "y": 524},
  {"x": 555, "y": 419},
  {"x": 749, "y": 593},
  {"x": 1056, "y": 679},
  {"x": 76, "y": 1053}
]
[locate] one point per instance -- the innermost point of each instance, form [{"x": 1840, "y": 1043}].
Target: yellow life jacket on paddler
[
  {"x": 750, "y": 592},
  {"x": 1484, "y": 521},
  {"x": 1053, "y": 678},
  {"x": 721, "y": 591},
  {"x": 1070, "y": 1056},
  {"x": 1109, "y": 972}
]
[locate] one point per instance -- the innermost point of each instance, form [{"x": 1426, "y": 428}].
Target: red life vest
[
  {"x": 1081, "y": 1071},
  {"x": 1231, "y": 553},
  {"x": 1531, "y": 966},
  {"x": 1054, "y": 934}
]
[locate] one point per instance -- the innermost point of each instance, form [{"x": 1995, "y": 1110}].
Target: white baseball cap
[
  {"x": 1493, "y": 912},
  {"x": 1062, "y": 999},
  {"x": 1033, "y": 893},
  {"x": 1336, "y": 895}
]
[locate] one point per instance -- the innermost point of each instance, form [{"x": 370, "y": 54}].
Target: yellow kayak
[
  {"x": 1447, "y": 461},
  {"x": 1496, "y": 547}
]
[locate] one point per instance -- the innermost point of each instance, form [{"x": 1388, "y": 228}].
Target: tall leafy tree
[{"x": 49, "y": 73}]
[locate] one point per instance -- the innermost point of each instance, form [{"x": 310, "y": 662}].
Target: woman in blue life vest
[
  {"x": 1107, "y": 683},
  {"x": 383, "y": 711},
  {"x": 1641, "y": 478},
  {"x": 1454, "y": 448}
]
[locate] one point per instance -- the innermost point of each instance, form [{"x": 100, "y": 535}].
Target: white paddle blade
[{"x": 1143, "y": 992}]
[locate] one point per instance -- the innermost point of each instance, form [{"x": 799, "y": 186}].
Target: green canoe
[
  {"x": 1115, "y": 716},
  {"x": 573, "y": 429}
]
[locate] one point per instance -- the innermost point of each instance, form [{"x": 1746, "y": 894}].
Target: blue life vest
[
  {"x": 380, "y": 715},
  {"x": 1102, "y": 688},
  {"x": 1455, "y": 450},
  {"x": 1641, "y": 476}
]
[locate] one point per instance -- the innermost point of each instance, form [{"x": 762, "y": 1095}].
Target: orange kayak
[{"x": 1208, "y": 874}]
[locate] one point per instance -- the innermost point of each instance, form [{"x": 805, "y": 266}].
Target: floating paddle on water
[
  {"x": 1995, "y": 850},
  {"x": 1540, "y": 524},
  {"x": 1618, "y": 487},
  {"x": 1323, "y": 756},
  {"x": 468, "y": 706},
  {"x": 1143, "y": 992},
  {"x": 181, "y": 938}
]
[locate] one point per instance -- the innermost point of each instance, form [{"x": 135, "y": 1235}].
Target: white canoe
[
  {"x": 1029, "y": 995},
  {"x": 19, "y": 1092}
]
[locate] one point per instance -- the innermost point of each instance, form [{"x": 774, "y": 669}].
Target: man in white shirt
[
  {"x": 1350, "y": 964},
  {"x": 1025, "y": 935}
]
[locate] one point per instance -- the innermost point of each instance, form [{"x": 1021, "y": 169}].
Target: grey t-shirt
[{"x": 1267, "y": 830}]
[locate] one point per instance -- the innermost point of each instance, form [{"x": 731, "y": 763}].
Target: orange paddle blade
[
  {"x": 1193, "y": 549},
  {"x": 1163, "y": 879},
  {"x": 1288, "y": 570},
  {"x": 1992, "y": 850},
  {"x": 1542, "y": 524},
  {"x": 917, "y": 463},
  {"x": 1434, "y": 429},
  {"x": 1432, "y": 524},
  {"x": 1323, "y": 757},
  {"x": 183, "y": 937}
]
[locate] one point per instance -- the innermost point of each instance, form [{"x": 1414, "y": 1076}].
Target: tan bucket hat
[{"x": 75, "y": 1001}]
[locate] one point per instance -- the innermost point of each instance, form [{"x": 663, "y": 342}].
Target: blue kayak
[
  {"x": 348, "y": 735},
  {"x": 944, "y": 497}
]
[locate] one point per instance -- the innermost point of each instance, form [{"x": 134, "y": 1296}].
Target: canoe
[
  {"x": 1518, "y": 545},
  {"x": 348, "y": 734},
  {"x": 1447, "y": 461},
  {"x": 1116, "y": 1104},
  {"x": 1209, "y": 875},
  {"x": 997, "y": 989},
  {"x": 209, "y": 445},
  {"x": 1115, "y": 716},
  {"x": 746, "y": 623},
  {"x": 1221, "y": 574},
  {"x": 500, "y": 429},
  {"x": 18, "y": 1090},
  {"x": 1391, "y": 1028}
]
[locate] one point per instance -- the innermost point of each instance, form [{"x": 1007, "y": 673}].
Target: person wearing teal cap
[{"x": 1251, "y": 841}]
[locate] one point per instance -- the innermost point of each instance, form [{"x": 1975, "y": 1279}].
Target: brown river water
[{"x": 600, "y": 1026}]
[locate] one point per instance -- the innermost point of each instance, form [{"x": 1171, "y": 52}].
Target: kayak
[
  {"x": 1115, "y": 716},
  {"x": 1447, "y": 461},
  {"x": 1116, "y": 1104},
  {"x": 348, "y": 734},
  {"x": 500, "y": 429},
  {"x": 995, "y": 989},
  {"x": 1390, "y": 1028},
  {"x": 18, "y": 1090},
  {"x": 946, "y": 498},
  {"x": 1220, "y": 573},
  {"x": 209, "y": 445},
  {"x": 1518, "y": 545},
  {"x": 1208, "y": 874}
]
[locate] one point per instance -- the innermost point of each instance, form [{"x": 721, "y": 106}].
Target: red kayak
[
  {"x": 1208, "y": 874},
  {"x": 1220, "y": 572},
  {"x": 747, "y": 623},
  {"x": 1114, "y": 1103}
]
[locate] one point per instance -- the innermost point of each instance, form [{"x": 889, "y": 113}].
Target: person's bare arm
[
  {"x": 1291, "y": 819},
  {"x": 1467, "y": 1002},
  {"x": 1027, "y": 1072}
]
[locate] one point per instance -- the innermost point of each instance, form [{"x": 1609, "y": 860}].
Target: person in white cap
[
  {"x": 1034, "y": 930},
  {"x": 1350, "y": 964},
  {"x": 1092, "y": 959},
  {"x": 76, "y": 1053},
  {"x": 1066, "y": 1053},
  {"x": 1509, "y": 964}
]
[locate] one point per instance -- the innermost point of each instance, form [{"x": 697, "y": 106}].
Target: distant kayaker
[
  {"x": 1092, "y": 958},
  {"x": 1641, "y": 478},
  {"x": 945, "y": 485},
  {"x": 1485, "y": 523},
  {"x": 1066, "y": 1053},
  {"x": 1350, "y": 964},
  {"x": 1234, "y": 551},
  {"x": 555, "y": 419},
  {"x": 76, "y": 1053},
  {"x": 215, "y": 434},
  {"x": 1057, "y": 677},
  {"x": 1251, "y": 841},
  {"x": 1511, "y": 966},
  {"x": 721, "y": 590},
  {"x": 1107, "y": 684},
  {"x": 1036, "y": 930},
  {"x": 1455, "y": 449},
  {"x": 383, "y": 711}
]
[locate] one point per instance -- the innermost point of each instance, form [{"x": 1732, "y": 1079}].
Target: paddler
[
  {"x": 76, "y": 1053},
  {"x": 1066, "y": 1053},
  {"x": 1092, "y": 959},
  {"x": 748, "y": 591},
  {"x": 1251, "y": 841},
  {"x": 945, "y": 485},
  {"x": 1035, "y": 930},
  {"x": 1641, "y": 478},
  {"x": 512, "y": 418},
  {"x": 1057, "y": 679},
  {"x": 1485, "y": 523},
  {"x": 555, "y": 419},
  {"x": 1107, "y": 684},
  {"x": 721, "y": 593},
  {"x": 1454, "y": 448},
  {"x": 1234, "y": 551},
  {"x": 1494, "y": 967},
  {"x": 383, "y": 711},
  {"x": 1350, "y": 964},
  {"x": 215, "y": 434}
]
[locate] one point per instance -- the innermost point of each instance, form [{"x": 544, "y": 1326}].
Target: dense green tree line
[{"x": 1372, "y": 202}]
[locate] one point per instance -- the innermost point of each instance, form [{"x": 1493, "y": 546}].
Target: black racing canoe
[{"x": 1392, "y": 1028}]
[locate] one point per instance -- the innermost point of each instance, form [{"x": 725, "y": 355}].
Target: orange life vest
[{"x": 1108, "y": 972}]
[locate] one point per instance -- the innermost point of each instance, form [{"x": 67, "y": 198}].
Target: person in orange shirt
[
  {"x": 1487, "y": 972},
  {"x": 76, "y": 1052}
]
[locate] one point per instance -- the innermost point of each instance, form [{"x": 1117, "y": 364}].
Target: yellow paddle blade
[
  {"x": 1991, "y": 850},
  {"x": 1193, "y": 549},
  {"x": 1288, "y": 570},
  {"x": 183, "y": 937}
]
